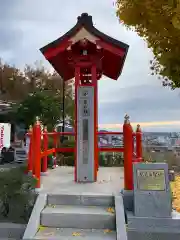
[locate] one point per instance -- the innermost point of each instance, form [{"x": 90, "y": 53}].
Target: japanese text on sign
[{"x": 151, "y": 180}]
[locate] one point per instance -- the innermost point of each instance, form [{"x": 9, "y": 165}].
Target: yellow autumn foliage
[
  {"x": 158, "y": 23},
  {"x": 175, "y": 187}
]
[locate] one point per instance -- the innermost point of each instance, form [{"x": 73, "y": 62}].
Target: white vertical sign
[
  {"x": 5, "y": 135},
  {"x": 85, "y": 134}
]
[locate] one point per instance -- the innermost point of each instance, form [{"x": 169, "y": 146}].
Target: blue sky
[{"x": 26, "y": 26}]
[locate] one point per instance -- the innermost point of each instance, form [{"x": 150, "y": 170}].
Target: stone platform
[
  {"x": 61, "y": 201},
  {"x": 61, "y": 180},
  {"x": 65, "y": 209}
]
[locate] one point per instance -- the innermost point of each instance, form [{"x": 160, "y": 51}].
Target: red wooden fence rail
[{"x": 36, "y": 154}]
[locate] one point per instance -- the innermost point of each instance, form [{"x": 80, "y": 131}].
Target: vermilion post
[
  {"x": 33, "y": 150},
  {"x": 96, "y": 154},
  {"x": 30, "y": 160},
  {"x": 133, "y": 150},
  {"x": 128, "y": 154},
  {"x": 55, "y": 145},
  {"x": 139, "y": 143},
  {"x": 37, "y": 137},
  {"x": 45, "y": 143}
]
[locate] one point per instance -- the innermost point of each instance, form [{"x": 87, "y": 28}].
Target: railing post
[
  {"x": 45, "y": 146},
  {"x": 139, "y": 143},
  {"x": 33, "y": 150},
  {"x": 128, "y": 154},
  {"x": 37, "y": 148},
  {"x": 55, "y": 146},
  {"x": 30, "y": 159}
]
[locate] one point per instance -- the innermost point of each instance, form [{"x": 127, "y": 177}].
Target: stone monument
[
  {"x": 152, "y": 194},
  {"x": 148, "y": 207}
]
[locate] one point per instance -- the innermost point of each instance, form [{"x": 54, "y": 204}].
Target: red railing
[
  {"x": 111, "y": 149},
  {"x": 36, "y": 155},
  {"x": 110, "y": 133}
]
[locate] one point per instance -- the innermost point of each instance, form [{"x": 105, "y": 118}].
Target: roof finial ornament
[
  {"x": 85, "y": 18},
  {"x": 138, "y": 128},
  {"x": 37, "y": 120},
  {"x": 126, "y": 119},
  {"x": 30, "y": 128}
]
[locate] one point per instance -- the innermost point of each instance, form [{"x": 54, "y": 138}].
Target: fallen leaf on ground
[
  {"x": 76, "y": 234},
  {"x": 110, "y": 210},
  {"x": 107, "y": 231},
  {"x": 41, "y": 228}
]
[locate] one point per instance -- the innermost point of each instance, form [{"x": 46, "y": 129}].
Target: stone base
[
  {"x": 30, "y": 173},
  {"x": 38, "y": 190},
  {"x": 11, "y": 230},
  {"x": 171, "y": 175},
  {"x": 137, "y": 235},
  {"x": 152, "y": 204},
  {"x": 128, "y": 200},
  {"x": 151, "y": 228},
  {"x": 44, "y": 173}
]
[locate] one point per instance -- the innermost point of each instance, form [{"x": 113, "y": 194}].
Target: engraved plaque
[
  {"x": 85, "y": 129},
  {"x": 151, "y": 180},
  {"x": 85, "y": 141}
]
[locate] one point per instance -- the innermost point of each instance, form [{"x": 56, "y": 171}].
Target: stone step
[
  {"x": 84, "y": 217},
  {"x": 72, "y": 233},
  {"x": 86, "y": 199}
]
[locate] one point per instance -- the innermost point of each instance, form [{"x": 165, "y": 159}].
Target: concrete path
[{"x": 61, "y": 180}]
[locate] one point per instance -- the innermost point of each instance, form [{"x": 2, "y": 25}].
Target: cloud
[
  {"x": 26, "y": 26},
  {"x": 141, "y": 103},
  {"x": 173, "y": 126}
]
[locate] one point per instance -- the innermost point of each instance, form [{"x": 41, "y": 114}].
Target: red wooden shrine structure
[
  {"x": 85, "y": 53},
  {"x": 38, "y": 149}
]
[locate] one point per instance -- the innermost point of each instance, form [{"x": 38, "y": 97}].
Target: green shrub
[
  {"x": 17, "y": 195},
  {"x": 69, "y": 161},
  {"x": 105, "y": 159},
  {"x": 67, "y": 158},
  {"x": 50, "y": 142},
  {"x": 110, "y": 160}
]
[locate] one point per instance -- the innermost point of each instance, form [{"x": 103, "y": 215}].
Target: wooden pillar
[
  {"x": 96, "y": 152},
  {"x": 77, "y": 81},
  {"x": 45, "y": 143},
  {"x": 139, "y": 143},
  {"x": 37, "y": 158},
  {"x": 128, "y": 154},
  {"x": 30, "y": 157}
]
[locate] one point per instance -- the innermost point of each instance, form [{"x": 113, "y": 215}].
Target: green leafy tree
[
  {"x": 13, "y": 85},
  {"x": 36, "y": 92},
  {"x": 44, "y": 105},
  {"x": 158, "y": 22},
  {"x": 40, "y": 104}
]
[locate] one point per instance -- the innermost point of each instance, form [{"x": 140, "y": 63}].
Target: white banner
[
  {"x": 5, "y": 135},
  {"x": 27, "y": 144}
]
